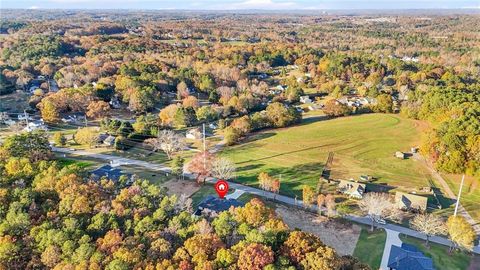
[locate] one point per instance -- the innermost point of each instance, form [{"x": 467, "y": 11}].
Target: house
[
  {"x": 216, "y": 205},
  {"x": 194, "y": 134},
  {"x": 111, "y": 173},
  {"x": 400, "y": 155},
  {"x": 305, "y": 99},
  {"x": 410, "y": 201},
  {"x": 408, "y": 257},
  {"x": 280, "y": 88},
  {"x": 109, "y": 141},
  {"x": 35, "y": 125},
  {"x": 351, "y": 188}
]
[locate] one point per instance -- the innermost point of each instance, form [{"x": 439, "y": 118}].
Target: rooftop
[
  {"x": 216, "y": 204},
  {"x": 407, "y": 257}
]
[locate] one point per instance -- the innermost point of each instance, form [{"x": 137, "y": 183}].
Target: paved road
[
  {"x": 258, "y": 192},
  {"x": 392, "y": 239}
]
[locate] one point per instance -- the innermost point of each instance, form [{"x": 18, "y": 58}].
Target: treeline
[{"x": 54, "y": 216}]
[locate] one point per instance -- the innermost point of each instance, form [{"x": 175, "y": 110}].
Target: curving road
[{"x": 281, "y": 198}]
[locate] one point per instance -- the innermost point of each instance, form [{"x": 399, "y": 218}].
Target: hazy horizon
[{"x": 261, "y": 5}]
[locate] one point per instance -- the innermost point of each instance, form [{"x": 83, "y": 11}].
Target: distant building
[
  {"x": 216, "y": 205},
  {"x": 194, "y": 134},
  {"x": 408, "y": 257},
  {"x": 109, "y": 172},
  {"x": 305, "y": 99},
  {"x": 353, "y": 189},
  {"x": 409, "y": 201},
  {"x": 109, "y": 141},
  {"x": 35, "y": 125}
]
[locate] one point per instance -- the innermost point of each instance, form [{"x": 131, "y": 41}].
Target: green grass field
[
  {"x": 363, "y": 144},
  {"x": 370, "y": 246},
  {"x": 457, "y": 260},
  {"x": 470, "y": 198}
]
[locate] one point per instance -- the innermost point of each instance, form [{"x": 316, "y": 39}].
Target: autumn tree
[
  {"x": 320, "y": 203},
  {"x": 384, "y": 104},
  {"x": 190, "y": 101},
  {"x": 308, "y": 195},
  {"x": 298, "y": 244},
  {"x": 182, "y": 90},
  {"x": 282, "y": 116},
  {"x": 59, "y": 139},
  {"x": 167, "y": 141},
  {"x": 460, "y": 232},
  {"x": 86, "y": 136},
  {"x": 334, "y": 108},
  {"x": 330, "y": 205},
  {"x": 98, "y": 109},
  {"x": 167, "y": 114},
  {"x": 255, "y": 257},
  {"x": 49, "y": 111},
  {"x": 201, "y": 165}
]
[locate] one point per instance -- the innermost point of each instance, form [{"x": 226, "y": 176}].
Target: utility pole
[
  {"x": 86, "y": 121},
  {"x": 458, "y": 197},
  {"x": 204, "y": 149}
]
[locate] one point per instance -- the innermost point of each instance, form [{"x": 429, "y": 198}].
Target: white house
[
  {"x": 353, "y": 189},
  {"x": 194, "y": 134},
  {"x": 35, "y": 125},
  {"x": 305, "y": 99}
]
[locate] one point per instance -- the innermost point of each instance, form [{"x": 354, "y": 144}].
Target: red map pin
[{"x": 222, "y": 188}]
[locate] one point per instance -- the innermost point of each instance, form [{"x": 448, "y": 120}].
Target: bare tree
[
  {"x": 379, "y": 206},
  {"x": 429, "y": 225},
  {"x": 330, "y": 205},
  {"x": 168, "y": 141},
  {"x": 223, "y": 168}
]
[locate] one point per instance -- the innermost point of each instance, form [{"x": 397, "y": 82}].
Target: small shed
[{"x": 400, "y": 155}]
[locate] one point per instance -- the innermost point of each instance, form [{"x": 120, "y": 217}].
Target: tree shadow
[
  {"x": 249, "y": 167},
  {"x": 285, "y": 153}
]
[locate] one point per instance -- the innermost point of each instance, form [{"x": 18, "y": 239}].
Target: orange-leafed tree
[
  {"x": 255, "y": 257},
  {"x": 201, "y": 165}
]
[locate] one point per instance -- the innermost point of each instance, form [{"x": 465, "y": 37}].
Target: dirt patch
[
  {"x": 179, "y": 187},
  {"x": 341, "y": 236}
]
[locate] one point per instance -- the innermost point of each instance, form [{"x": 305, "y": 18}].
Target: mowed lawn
[
  {"x": 363, "y": 144},
  {"x": 470, "y": 198}
]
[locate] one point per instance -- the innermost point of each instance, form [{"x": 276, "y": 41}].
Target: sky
[{"x": 241, "y": 4}]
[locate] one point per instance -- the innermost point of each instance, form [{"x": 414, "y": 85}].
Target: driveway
[{"x": 392, "y": 239}]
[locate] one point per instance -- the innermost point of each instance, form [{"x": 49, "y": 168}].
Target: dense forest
[{"x": 422, "y": 67}]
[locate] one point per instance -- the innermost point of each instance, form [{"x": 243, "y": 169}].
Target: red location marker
[{"x": 222, "y": 188}]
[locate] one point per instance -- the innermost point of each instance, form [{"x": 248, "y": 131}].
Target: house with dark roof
[
  {"x": 408, "y": 201},
  {"x": 217, "y": 205},
  {"x": 109, "y": 172},
  {"x": 408, "y": 257}
]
